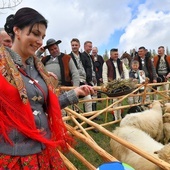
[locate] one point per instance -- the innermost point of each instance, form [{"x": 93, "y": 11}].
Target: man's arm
[
  {"x": 125, "y": 71},
  {"x": 105, "y": 73}
]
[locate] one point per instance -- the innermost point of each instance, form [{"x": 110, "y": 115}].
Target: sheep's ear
[
  {"x": 164, "y": 116},
  {"x": 156, "y": 152},
  {"x": 163, "y": 103}
]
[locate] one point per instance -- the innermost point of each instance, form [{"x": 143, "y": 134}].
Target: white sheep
[
  {"x": 141, "y": 140},
  {"x": 166, "y": 127},
  {"x": 149, "y": 121},
  {"x": 167, "y": 107},
  {"x": 166, "y": 131},
  {"x": 166, "y": 118}
]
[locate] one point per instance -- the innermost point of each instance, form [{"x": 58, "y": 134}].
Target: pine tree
[{"x": 106, "y": 56}]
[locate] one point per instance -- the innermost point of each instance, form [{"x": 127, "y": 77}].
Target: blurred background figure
[
  {"x": 162, "y": 65},
  {"x": 90, "y": 73},
  {"x": 146, "y": 64},
  {"x": 90, "y": 69},
  {"x": 5, "y": 39},
  {"x": 98, "y": 64},
  {"x": 81, "y": 65},
  {"x": 134, "y": 53}
]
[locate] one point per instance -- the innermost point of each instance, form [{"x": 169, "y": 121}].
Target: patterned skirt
[{"x": 42, "y": 161}]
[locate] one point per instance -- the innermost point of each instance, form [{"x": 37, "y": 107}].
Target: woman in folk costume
[{"x": 31, "y": 126}]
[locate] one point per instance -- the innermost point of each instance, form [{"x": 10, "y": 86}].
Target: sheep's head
[
  {"x": 167, "y": 107},
  {"x": 164, "y": 153},
  {"x": 156, "y": 105},
  {"x": 166, "y": 118}
]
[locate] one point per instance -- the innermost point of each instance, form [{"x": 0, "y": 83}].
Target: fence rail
[{"x": 80, "y": 132}]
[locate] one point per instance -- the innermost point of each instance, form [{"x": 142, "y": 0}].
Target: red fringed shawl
[{"x": 15, "y": 110}]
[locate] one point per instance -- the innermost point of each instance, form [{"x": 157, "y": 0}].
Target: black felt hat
[{"x": 51, "y": 42}]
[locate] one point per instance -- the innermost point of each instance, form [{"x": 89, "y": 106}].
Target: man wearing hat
[
  {"x": 60, "y": 64},
  {"x": 114, "y": 69}
]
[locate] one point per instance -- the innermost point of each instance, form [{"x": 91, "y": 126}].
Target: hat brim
[{"x": 56, "y": 42}]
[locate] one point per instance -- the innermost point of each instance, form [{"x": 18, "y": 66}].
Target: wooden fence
[{"x": 81, "y": 133}]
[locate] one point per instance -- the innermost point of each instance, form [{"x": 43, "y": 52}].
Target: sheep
[
  {"x": 141, "y": 140},
  {"x": 166, "y": 127},
  {"x": 166, "y": 130},
  {"x": 167, "y": 107},
  {"x": 149, "y": 121},
  {"x": 166, "y": 118}
]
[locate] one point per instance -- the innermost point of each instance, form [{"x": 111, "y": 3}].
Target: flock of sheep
[{"x": 148, "y": 130}]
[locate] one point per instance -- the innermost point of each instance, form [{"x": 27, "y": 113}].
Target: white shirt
[{"x": 118, "y": 76}]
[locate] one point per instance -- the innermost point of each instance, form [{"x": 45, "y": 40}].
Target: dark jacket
[
  {"x": 98, "y": 67},
  {"x": 87, "y": 66}
]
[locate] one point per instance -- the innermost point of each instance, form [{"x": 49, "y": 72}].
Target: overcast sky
[{"x": 123, "y": 24}]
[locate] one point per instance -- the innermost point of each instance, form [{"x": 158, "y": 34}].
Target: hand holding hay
[{"x": 119, "y": 86}]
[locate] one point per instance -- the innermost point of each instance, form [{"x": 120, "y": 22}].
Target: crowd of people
[{"x": 31, "y": 124}]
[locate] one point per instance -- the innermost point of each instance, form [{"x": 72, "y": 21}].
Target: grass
[{"x": 101, "y": 139}]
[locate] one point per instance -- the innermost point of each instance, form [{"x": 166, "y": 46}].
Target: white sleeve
[
  {"x": 125, "y": 71},
  {"x": 105, "y": 73}
]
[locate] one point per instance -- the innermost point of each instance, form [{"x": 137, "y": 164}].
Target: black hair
[
  {"x": 134, "y": 62},
  {"x": 161, "y": 47},
  {"x": 23, "y": 17},
  {"x": 76, "y": 40},
  {"x": 143, "y": 48},
  {"x": 114, "y": 50},
  {"x": 87, "y": 42}
]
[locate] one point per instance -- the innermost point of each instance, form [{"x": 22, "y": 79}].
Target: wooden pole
[
  {"x": 110, "y": 106},
  {"x": 82, "y": 159},
  {"x": 149, "y": 157},
  {"x": 106, "y": 156},
  {"x": 82, "y": 129},
  {"x": 68, "y": 164}
]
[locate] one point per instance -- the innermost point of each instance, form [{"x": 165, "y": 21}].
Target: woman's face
[{"x": 27, "y": 42}]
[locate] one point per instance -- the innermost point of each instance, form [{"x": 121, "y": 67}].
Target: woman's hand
[
  {"x": 53, "y": 75},
  {"x": 154, "y": 81},
  {"x": 84, "y": 90},
  {"x": 41, "y": 49}
]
